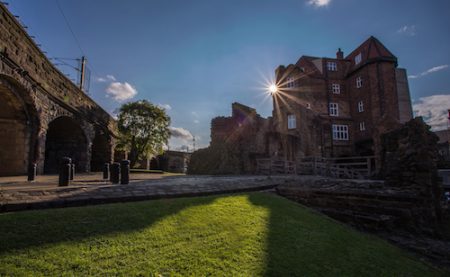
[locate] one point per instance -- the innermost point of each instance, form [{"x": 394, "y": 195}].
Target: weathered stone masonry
[
  {"x": 236, "y": 143},
  {"x": 43, "y": 115}
]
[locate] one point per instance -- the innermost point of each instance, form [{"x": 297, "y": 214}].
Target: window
[
  {"x": 358, "y": 82},
  {"x": 358, "y": 59},
  {"x": 336, "y": 88},
  {"x": 340, "y": 132},
  {"x": 360, "y": 106},
  {"x": 291, "y": 121},
  {"x": 362, "y": 126},
  {"x": 308, "y": 106},
  {"x": 290, "y": 82},
  {"x": 334, "y": 109},
  {"x": 331, "y": 66}
]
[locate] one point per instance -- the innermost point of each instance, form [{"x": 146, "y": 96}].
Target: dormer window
[
  {"x": 332, "y": 66},
  {"x": 358, "y": 59},
  {"x": 359, "y": 82},
  {"x": 336, "y": 88},
  {"x": 290, "y": 82}
]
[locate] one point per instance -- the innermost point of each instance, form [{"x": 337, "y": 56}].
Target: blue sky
[{"x": 197, "y": 57}]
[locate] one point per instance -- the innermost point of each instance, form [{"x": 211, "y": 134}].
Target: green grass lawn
[{"x": 253, "y": 234}]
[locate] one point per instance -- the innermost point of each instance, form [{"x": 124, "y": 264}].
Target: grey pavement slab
[{"x": 31, "y": 196}]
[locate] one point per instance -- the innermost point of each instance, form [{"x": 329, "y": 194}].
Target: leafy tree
[{"x": 144, "y": 130}]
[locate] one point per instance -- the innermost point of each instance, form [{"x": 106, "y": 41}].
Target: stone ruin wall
[
  {"x": 236, "y": 142},
  {"x": 408, "y": 200}
]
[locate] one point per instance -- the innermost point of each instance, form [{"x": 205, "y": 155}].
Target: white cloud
[
  {"x": 121, "y": 91},
  {"x": 195, "y": 114},
  {"x": 319, "y": 3},
  {"x": 179, "y": 132},
  {"x": 183, "y": 148},
  {"x": 407, "y": 30},
  {"x": 181, "y": 144},
  {"x": 166, "y": 107},
  {"x": 196, "y": 121},
  {"x": 431, "y": 70},
  {"x": 105, "y": 79},
  {"x": 434, "y": 110}
]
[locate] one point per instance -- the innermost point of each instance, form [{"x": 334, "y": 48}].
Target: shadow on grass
[
  {"x": 38, "y": 228},
  {"x": 299, "y": 242},
  {"x": 302, "y": 242}
]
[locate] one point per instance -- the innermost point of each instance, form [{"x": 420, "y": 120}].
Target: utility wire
[
  {"x": 62, "y": 62},
  {"x": 70, "y": 28},
  {"x": 90, "y": 67}
]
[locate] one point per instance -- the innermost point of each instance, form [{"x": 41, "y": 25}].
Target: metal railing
[
  {"x": 361, "y": 167},
  {"x": 275, "y": 166}
]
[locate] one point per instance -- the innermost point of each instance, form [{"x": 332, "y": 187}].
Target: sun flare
[{"x": 273, "y": 88}]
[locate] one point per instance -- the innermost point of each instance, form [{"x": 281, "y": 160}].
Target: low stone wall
[
  {"x": 403, "y": 216},
  {"x": 370, "y": 205}
]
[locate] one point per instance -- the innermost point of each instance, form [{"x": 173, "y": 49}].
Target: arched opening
[
  {"x": 101, "y": 150},
  {"x": 65, "y": 138},
  {"x": 15, "y": 132}
]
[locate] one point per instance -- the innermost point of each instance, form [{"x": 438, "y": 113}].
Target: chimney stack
[{"x": 339, "y": 54}]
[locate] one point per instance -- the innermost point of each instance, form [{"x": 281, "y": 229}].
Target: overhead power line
[
  {"x": 70, "y": 28},
  {"x": 87, "y": 69}
]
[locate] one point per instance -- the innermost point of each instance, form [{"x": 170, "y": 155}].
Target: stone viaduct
[{"x": 43, "y": 115}]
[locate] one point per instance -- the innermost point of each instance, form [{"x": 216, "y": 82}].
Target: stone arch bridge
[{"x": 43, "y": 115}]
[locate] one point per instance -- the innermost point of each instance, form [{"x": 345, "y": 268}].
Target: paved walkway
[
  {"x": 83, "y": 179},
  {"x": 90, "y": 189}
]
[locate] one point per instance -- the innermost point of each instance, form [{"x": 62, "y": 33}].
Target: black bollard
[
  {"x": 64, "y": 171},
  {"x": 72, "y": 171},
  {"x": 32, "y": 172},
  {"x": 124, "y": 172},
  {"x": 115, "y": 172},
  {"x": 106, "y": 171}
]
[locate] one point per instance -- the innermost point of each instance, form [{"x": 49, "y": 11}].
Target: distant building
[
  {"x": 335, "y": 107},
  {"x": 171, "y": 161}
]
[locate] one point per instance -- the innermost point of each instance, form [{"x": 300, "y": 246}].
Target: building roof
[{"x": 371, "y": 48}]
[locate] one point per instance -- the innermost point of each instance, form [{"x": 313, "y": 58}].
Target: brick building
[
  {"x": 323, "y": 107},
  {"x": 335, "y": 107}
]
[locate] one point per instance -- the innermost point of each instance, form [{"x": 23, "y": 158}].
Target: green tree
[{"x": 144, "y": 130}]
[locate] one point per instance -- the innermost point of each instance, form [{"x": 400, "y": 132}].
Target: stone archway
[
  {"x": 15, "y": 134},
  {"x": 101, "y": 150},
  {"x": 18, "y": 127},
  {"x": 65, "y": 138}
]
